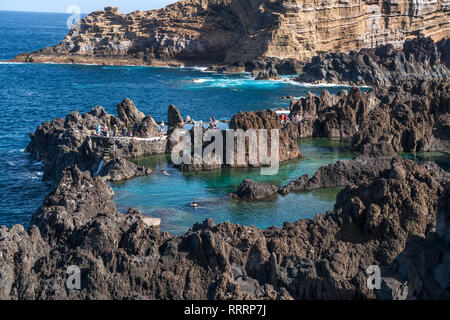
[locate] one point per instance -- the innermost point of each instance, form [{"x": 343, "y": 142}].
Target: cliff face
[{"x": 237, "y": 31}]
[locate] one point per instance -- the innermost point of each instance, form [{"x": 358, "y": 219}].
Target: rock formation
[
  {"x": 419, "y": 58},
  {"x": 270, "y": 74},
  {"x": 147, "y": 128},
  {"x": 411, "y": 116},
  {"x": 129, "y": 114},
  {"x": 174, "y": 118},
  {"x": 73, "y": 141},
  {"x": 238, "y": 32},
  {"x": 243, "y": 121},
  {"x": 250, "y": 189},
  {"x": 384, "y": 220}
]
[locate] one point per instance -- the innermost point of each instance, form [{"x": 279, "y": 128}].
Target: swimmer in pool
[
  {"x": 194, "y": 205},
  {"x": 164, "y": 171}
]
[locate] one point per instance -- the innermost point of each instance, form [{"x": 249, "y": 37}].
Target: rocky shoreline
[
  {"x": 394, "y": 220},
  {"x": 391, "y": 212},
  {"x": 419, "y": 58},
  {"x": 411, "y": 116}
]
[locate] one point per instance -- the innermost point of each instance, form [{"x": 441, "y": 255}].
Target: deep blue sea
[{"x": 33, "y": 93}]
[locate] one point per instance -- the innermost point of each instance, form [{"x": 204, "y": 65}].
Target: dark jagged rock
[
  {"x": 422, "y": 269},
  {"x": 411, "y": 116},
  {"x": 250, "y": 189},
  {"x": 268, "y": 120},
  {"x": 420, "y": 58},
  {"x": 119, "y": 169},
  {"x": 341, "y": 173},
  {"x": 281, "y": 66},
  {"x": 174, "y": 118},
  {"x": 121, "y": 257},
  {"x": 331, "y": 116},
  {"x": 352, "y": 171},
  {"x": 129, "y": 114},
  {"x": 443, "y": 215},
  {"x": 147, "y": 128},
  {"x": 270, "y": 74},
  {"x": 73, "y": 141}
]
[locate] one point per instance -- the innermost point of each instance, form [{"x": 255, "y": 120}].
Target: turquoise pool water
[
  {"x": 168, "y": 197},
  {"x": 441, "y": 158}
]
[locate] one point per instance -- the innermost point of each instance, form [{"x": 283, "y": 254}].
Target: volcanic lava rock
[
  {"x": 73, "y": 141},
  {"x": 129, "y": 114},
  {"x": 174, "y": 118},
  {"x": 250, "y": 189},
  {"x": 379, "y": 221},
  {"x": 420, "y": 58},
  {"x": 120, "y": 169},
  {"x": 341, "y": 173},
  {"x": 411, "y": 116},
  {"x": 147, "y": 128},
  {"x": 270, "y": 74}
]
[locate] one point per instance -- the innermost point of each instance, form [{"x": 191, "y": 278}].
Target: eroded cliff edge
[{"x": 240, "y": 31}]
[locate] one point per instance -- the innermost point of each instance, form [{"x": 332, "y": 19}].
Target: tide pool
[{"x": 169, "y": 197}]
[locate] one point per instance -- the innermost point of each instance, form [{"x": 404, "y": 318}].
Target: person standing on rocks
[
  {"x": 161, "y": 129},
  {"x": 98, "y": 129}
]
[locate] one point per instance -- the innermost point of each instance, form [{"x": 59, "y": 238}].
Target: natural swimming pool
[{"x": 169, "y": 197}]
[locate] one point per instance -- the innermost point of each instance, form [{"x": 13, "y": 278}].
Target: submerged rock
[{"x": 250, "y": 189}]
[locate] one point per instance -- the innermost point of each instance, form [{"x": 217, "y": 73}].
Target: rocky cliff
[{"x": 240, "y": 31}]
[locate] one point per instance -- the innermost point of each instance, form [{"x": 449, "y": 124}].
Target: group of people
[
  {"x": 294, "y": 118},
  {"x": 104, "y": 131}
]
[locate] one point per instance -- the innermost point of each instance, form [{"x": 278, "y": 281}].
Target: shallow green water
[
  {"x": 168, "y": 197},
  {"x": 441, "y": 158}
]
